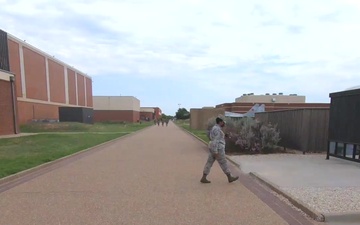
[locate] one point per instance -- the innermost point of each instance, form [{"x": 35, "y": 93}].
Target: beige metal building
[
  {"x": 116, "y": 108},
  {"x": 200, "y": 117},
  {"x": 270, "y": 98}
]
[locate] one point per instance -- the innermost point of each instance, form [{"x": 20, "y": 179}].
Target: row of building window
[{"x": 347, "y": 150}]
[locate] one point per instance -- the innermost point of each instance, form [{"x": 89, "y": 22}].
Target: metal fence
[
  {"x": 4, "y": 52},
  {"x": 300, "y": 129},
  {"x": 344, "y": 124}
]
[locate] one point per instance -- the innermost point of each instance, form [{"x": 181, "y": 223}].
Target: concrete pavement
[{"x": 151, "y": 177}]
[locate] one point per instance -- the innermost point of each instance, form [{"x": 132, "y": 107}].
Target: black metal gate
[{"x": 4, "y": 52}]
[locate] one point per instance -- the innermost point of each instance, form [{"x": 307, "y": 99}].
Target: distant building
[
  {"x": 116, "y": 109},
  {"x": 158, "y": 112},
  {"x": 199, "y": 117},
  {"x": 147, "y": 113},
  {"x": 270, "y": 98},
  {"x": 272, "y": 102}
]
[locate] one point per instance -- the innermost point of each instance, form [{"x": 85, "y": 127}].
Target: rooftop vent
[
  {"x": 281, "y": 93},
  {"x": 274, "y": 93},
  {"x": 267, "y": 94}
]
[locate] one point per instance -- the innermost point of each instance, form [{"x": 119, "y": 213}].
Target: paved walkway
[{"x": 151, "y": 177}]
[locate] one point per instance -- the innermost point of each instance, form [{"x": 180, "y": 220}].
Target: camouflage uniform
[{"x": 217, "y": 146}]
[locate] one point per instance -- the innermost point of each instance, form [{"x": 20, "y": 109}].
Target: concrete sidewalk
[{"x": 148, "y": 178}]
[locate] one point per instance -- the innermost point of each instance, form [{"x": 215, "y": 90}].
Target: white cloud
[{"x": 291, "y": 45}]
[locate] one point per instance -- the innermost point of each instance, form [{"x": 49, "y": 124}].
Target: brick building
[
  {"x": 150, "y": 112},
  {"x": 44, "y": 83},
  {"x": 274, "y": 102},
  {"x": 116, "y": 109},
  {"x": 8, "y": 111}
]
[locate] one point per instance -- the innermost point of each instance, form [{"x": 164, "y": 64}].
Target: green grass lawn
[
  {"x": 81, "y": 127},
  {"x": 21, "y": 153},
  {"x": 199, "y": 133}
]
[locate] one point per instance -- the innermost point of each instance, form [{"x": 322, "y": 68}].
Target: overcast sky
[{"x": 197, "y": 52}]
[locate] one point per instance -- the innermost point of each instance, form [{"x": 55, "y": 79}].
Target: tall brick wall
[
  {"x": 81, "y": 89},
  {"x": 72, "y": 86},
  {"x": 36, "y": 86},
  {"x": 14, "y": 59},
  {"x": 89, "y": 95},
  {"x": 44, "y": 83},
  {"x": 57, "y": 82},
  {"x": 6, "y": 109}
]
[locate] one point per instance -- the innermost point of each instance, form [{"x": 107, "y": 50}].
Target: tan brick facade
[
  {"x": 116, "y": 116},
  {"x": 199, "y": 117}
]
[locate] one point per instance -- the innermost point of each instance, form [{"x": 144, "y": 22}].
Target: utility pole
[{"x": 179, "y": 105}]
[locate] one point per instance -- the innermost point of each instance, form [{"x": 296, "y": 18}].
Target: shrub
[{"x": 248, "y": 135}]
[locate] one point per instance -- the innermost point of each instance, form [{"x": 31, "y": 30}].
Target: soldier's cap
[{"x": 218, "y": 120}]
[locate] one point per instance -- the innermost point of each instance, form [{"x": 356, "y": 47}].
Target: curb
[
  {"x": 204, "y": 142},
  {"x": 350, "y": 217},
  {"x": 24, "y": 173},
  {"x": 296, "y": 202}
]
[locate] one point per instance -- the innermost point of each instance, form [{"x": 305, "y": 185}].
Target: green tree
[{"x": 182, "y": 114}]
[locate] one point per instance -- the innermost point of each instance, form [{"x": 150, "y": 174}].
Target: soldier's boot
[
  {"x": 231, "y": 178},
  {"x": 204, "y": 180}
]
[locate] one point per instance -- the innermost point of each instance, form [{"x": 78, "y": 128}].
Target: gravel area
[
  {"x": 328, "y": 200},
  {"x": 329, "y": 186}
]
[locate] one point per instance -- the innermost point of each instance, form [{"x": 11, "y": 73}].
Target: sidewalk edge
[{"x": 296, "y": 202}]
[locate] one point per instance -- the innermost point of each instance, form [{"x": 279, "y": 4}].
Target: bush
[{"x": 248, "y": 135}]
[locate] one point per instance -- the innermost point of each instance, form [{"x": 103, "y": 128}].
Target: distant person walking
[
  {"x": 217, "y": 152},
  {"x": 167, "y": 122}
]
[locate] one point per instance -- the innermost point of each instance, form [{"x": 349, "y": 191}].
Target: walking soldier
[{"x": 217, "y": 152}]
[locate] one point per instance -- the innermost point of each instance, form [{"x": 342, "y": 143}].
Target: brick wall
[
  {"x": 71, "y": 86},
  {"x": 81, "y": 90},
  {"x": 6, "y": 109},
  {"x": 56, "y": 82},
  {"x": 36, "y": 86},
  {"x": 14, "y": 60},
  {"x": 144, "y": 115},
  {"x": 29, "y": 111},
  {"x": 43, "y": 83}
]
